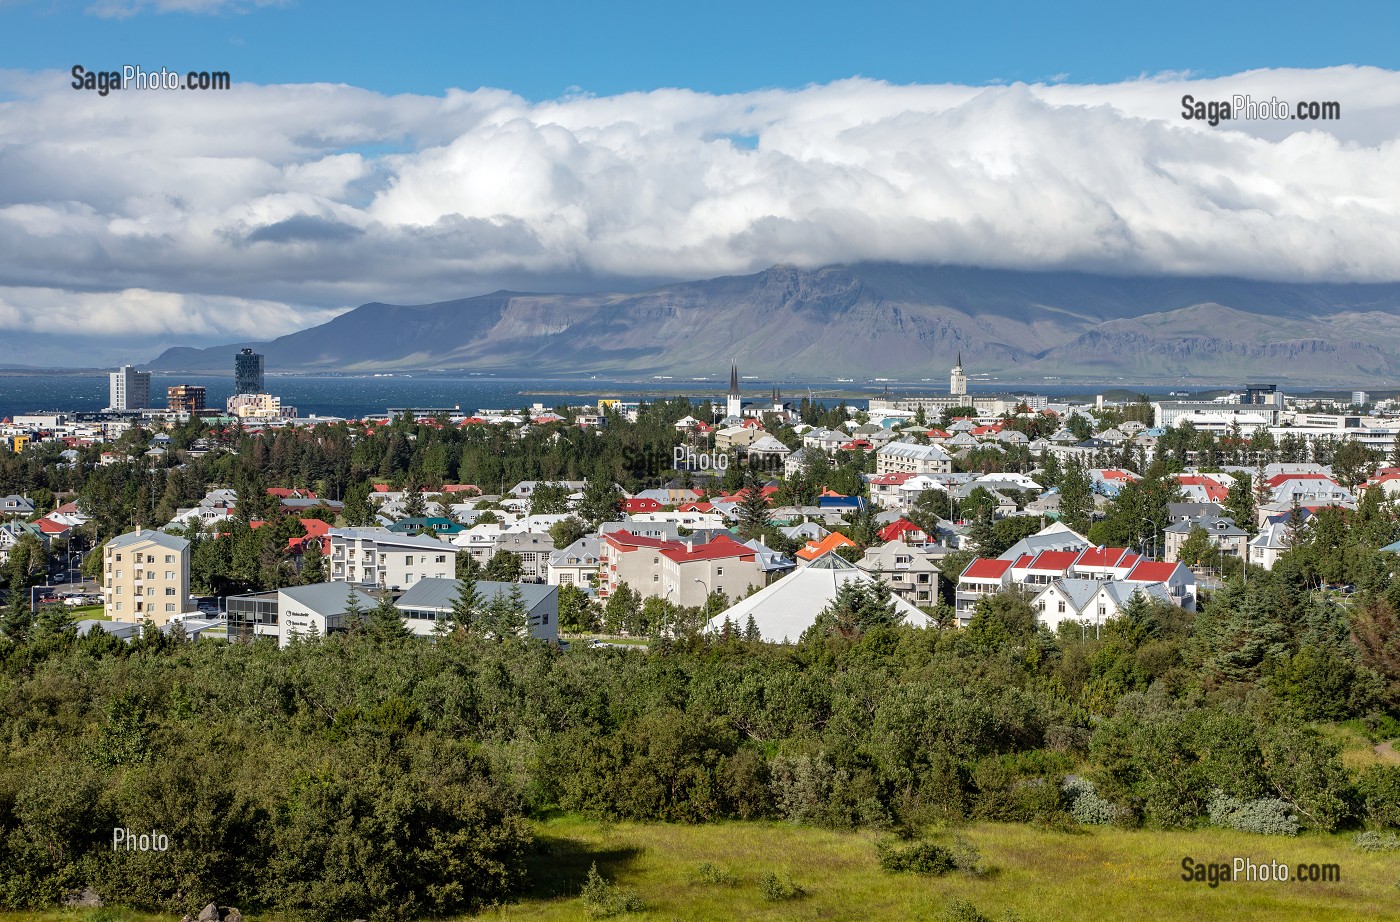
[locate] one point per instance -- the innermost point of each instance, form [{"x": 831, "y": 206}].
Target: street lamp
[{"x": 706, "y": 587}]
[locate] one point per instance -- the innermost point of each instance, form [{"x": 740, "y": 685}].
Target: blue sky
[{"x": 543, "y": 48}]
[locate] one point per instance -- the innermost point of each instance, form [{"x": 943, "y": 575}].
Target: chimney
[{"x": 138, "y": 530}]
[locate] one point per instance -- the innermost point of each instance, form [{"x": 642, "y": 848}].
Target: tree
[
  {"x": 1196, "y": 548},
  {"x": 601, "y": 501},
  {"x": 1076, "y": 497},
  {"x": 18, "y": 619},
  {"x": 313, "y": 563},
  {"x": 621, "y": 609},
  {"x": 504, "y": 567},
  {"x": 577, "y": 613},
  {"x": 414, "y": 504},
  {"x": 549, "y": 499},
  {"x": 1352, "y": 462},
  {"x": 504, "y": 615},
  {"x": 357, "y": 511},
  {"x": 354, "y": 611},
  {"x": 857, "y": 607},
  {"x": 930, "y": 508},
  {"x": 566, "y": 531},
  {"x": 466, "y": 604},
  {"x": 753, "y": 509},
  {"x": 386, "y": 622}
]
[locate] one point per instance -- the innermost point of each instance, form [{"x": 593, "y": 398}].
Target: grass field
[{"x": 1030, "y": 874}]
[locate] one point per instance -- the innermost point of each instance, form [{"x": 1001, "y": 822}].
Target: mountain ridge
[{"x": 868, "y": 319}]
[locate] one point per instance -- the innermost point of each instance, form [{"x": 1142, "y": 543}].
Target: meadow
[{"x": 1028, "y": 873}]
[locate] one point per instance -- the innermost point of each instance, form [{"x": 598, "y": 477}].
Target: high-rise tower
[{"x": 247, "y": 372}]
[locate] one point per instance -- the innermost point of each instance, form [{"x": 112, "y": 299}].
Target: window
[
  {"x": 119, "y": 573},
  {"x": 150, "y": 574},
  {"x": 119, "y": 558},
  {"x": 169, "y": 558},
  {"x": 169, "y": 590},
  {"x": 408, "y": 577},
  {"x": 565, "y": 578},
  {"x": 118, "y": 606},
  {"x": 719, "y": 571},
  {"x": 408, "y": 560},
  {"x": 1062, "y": 606},
  {"x": 656, "y": 578},
  {"x": 169, "y": 574},
  {"x": 150, "y": 590},
  {"x": 442, "y": 558},
  {"x": 169, "y": 606}
]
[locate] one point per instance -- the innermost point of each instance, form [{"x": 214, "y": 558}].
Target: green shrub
[
  {"x": 1265, "y": 816},
  {"x": 918, "y": 858},
  {"x": 604, "y": 899},
  {"x": 1379, "y": 789},
  {"x": 711, "y": 874},
  {"x": 776, "y": 889},
  {"x": 963, "y": 911}
]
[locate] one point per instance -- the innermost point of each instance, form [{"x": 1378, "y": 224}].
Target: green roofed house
[{"x": 439, "y": 524}]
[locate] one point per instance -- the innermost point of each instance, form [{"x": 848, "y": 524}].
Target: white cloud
[
  {"x": 321, "y": 197},
  {"x": 121, "y": 9},
  {"x": 137, "y": 312}
]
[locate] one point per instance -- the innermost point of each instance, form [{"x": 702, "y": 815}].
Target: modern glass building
[{"x": 248, "y": 373}]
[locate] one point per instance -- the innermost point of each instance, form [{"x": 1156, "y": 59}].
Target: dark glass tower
[{"x": 248, "y": 372}]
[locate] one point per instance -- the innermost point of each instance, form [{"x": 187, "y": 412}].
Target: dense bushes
[{"x": 348, "y": 777}]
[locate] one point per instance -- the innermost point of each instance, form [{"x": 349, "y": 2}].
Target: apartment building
[
  {"x": 380, "y": 557},
  {"x": 146, "y": 575},
  {"x": 911, "y": 458}
]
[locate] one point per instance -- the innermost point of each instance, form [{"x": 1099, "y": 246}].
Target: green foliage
[
  {"x": 1086, "y": 806},
  {"x": 714, "y": 875},
  {"x": 504, "y": 567},
  {"x": 566, "y": 531},
  {"x": 1378, "y": 789},
  {"x": 777, "y": 889},
  {"x": 915, "y": 858},
  {"x": 857, "y": 608},
  {"x": 602, "y": 899}
]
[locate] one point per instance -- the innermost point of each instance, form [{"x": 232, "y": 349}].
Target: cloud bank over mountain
[{"x": 265, "y": 208}]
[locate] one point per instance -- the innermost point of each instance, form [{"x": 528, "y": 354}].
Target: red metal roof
[
  {"x": 987, "y": 568},
  {"x": 718, "y": 549},
  {"x": 1152, "y": 571},
  {"x": 1058, "y": 561}
]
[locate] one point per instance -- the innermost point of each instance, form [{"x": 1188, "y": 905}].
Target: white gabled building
[{"x": 1090, "y": 601}]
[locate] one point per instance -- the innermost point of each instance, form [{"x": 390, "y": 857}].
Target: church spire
[
  {"x": 733, "y": 379},
  {"x": 959, "y": 358}
]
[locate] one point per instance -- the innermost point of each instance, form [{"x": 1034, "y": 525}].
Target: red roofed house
[
  {"x": 815, "y": 549},
  {"x": 1044, "y": 568},
  {"x": 1177, "y": 577},
  {"x": 984, "y": 576},
  {"x": 291, "y": 493},
  {"x": 659, "y": 568},
  {"x": 641, "y": 505},
  {"x": 690, "y": 573},
  {"x": 1104, "y": 563},
  {"x": 1199, "y": 488},
  {"x": 904, "y": 530},
  {"x": 884, "y": 488}
]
